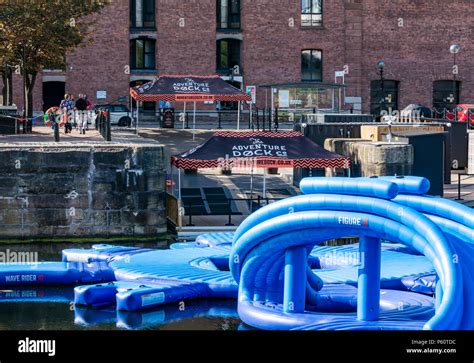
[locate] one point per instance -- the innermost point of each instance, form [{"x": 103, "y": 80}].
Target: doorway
[{"x": 53, "y": 93}]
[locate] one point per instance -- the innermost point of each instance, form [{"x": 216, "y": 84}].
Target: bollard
[
  {"x": 56, "y": 132},
  {"x": 108, "y": 134},
  {"x": 190, "y": 217},
  {"x": 459, "y": 188},
  {"x": 229, "y": 211}
]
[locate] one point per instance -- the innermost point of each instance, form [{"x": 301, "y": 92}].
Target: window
[
  {"x": 311, "y": 65},
  {"x": 383, "y": 96},
  {"x": 142, "y": 13},
  {"x": 228, "y": 55},
  {"x": 228, "y": 14},
  {"x": 312, "y": 13},
  {"x": 445, "y": 95},
  {"x": 142, "y": 53}
]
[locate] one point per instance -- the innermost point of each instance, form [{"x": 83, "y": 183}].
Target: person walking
[
  {"x": 67, "y": 109},
  {"x": 90, "y": 112},
  {"x": 81, "y": 108}
]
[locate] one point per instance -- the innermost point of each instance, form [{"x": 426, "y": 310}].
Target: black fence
[
  {"x": 259, "y": 119},
  {"x": 102, "y": 124},
  {"x": 11, "y": 125},
  {"x": 192, "y": 207}
]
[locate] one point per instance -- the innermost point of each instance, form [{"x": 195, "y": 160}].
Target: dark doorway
[
  {"x": 53, "y": 93},
  {"x": 231, "y": 105},
  {"x": 383, "y": 96},
  {"x": 445, "y": 95}
]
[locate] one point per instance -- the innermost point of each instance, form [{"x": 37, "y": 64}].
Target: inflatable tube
[
  {"x": 36, "y": 294},
  {"x": 399, "y": 311},
  {"x": 100, "y": 253},
  {"x": 277, "y": 229},
  {"x": 215, "y": 239},
  {"x": 53, "y": 273},
  {"x": 377, "y": 188}
]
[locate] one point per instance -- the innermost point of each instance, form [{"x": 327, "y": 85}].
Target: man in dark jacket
[{"x": 81, "y": 108}]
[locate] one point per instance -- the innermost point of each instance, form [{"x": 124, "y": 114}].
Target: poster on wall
[
  {"x": 284, "y": 98},
  {"x": 252, "y": 90},
  {"x": 101, "y": 95}
]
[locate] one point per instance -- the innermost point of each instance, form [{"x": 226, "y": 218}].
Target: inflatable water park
[{"x": 412, "y": 268}]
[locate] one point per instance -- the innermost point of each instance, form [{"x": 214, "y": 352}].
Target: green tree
[{"x": 38, "y": 34}]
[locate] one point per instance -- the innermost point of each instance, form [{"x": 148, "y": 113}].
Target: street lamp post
[
  {"x": 381, "y": 66},
  {"x": 454, "y": 49}
]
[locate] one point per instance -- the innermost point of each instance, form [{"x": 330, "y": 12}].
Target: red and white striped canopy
[{"x": 184, "y": 88}]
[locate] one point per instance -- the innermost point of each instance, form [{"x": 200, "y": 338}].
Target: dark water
[
  {"x": 53, "y": 308},
  {"x": 63, "y": 315}
]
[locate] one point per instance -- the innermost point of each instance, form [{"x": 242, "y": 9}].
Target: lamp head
[
  {"x": 455, "y": 48},
  {"x": 381, "y": 65}
]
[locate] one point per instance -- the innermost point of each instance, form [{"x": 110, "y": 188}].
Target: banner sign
[
  {"x": 188, "y": 89},
  {"x": 252, "y": 91}
]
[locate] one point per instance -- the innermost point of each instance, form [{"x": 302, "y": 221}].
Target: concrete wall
[
  {"x": 374, "y": 158},
  {"x": 81, "y": 190}
]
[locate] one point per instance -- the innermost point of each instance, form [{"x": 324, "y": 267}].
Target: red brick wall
[
  {"x": 190, "y": 48},
  {"x": 418, "y": 53},
  {"x": 356, "y": 33}
]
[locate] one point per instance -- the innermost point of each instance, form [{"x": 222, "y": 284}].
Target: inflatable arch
[{"x": 277, "y": 289}]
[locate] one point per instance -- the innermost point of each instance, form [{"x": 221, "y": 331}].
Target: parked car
[
  {"x": 119, "y": 114},
  {"x": 464, "y": 111},
  {"x": 415, "y": 110}
]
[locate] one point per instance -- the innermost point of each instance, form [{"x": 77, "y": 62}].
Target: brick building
[{"x": 277, "y": 41}]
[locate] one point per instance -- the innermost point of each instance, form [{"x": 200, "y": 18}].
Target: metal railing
[
  {"x": 260, "y": 202},
  {"x": 259, "y": 119}
]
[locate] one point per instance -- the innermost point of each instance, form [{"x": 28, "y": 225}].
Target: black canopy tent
[
  {"x": 228, "y": 149},
  {"x": 189, "y": 88}
]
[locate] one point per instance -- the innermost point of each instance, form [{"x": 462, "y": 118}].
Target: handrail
[{"x": 228, "y": 202}]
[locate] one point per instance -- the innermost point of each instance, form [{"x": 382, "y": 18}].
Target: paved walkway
[
  {"x": 44, "y": 134},
  {"x": 467, "y": 189}
]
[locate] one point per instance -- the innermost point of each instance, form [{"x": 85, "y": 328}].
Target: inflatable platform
[{"x": 412, "y": 268}]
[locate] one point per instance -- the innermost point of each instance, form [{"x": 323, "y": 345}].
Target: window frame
[
  {"x": 228, "y": 16},
  {"x": 145, "y": 12},
  {"x": 219, "y": 51},
  {"x": 313, "y": 24},
  {"x": 311, "y": 72},
  {"x": 133, "y": 54}
]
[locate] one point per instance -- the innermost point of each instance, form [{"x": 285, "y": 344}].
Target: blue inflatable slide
[{"x": 412, "y": 268}]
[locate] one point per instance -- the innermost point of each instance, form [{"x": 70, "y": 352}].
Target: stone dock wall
[{"x": 82, "y": 190}]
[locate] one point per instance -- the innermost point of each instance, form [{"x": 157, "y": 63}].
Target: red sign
[{"x": 192, "y": 98}]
